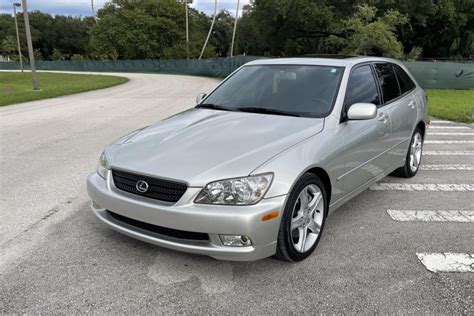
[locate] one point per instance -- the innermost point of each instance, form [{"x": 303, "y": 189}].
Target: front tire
[
  {"x": 413, "y": 159},
  {"x": 303, "y": 219}
]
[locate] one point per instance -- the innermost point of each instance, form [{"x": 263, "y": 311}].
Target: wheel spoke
[
  {"x": 301, "y": 239},
  {"x": 304, "y": 199},
  {"x": 297, "y": 222},
  {"x": 315, "y": 203},
  {"x": 314, "y": 227}
]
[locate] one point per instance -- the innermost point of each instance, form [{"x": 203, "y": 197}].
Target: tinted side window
[
  {"x": 362, "y": 87},
  {"x": 406, "y": 84},
  {"x": 388, "y": 81}
]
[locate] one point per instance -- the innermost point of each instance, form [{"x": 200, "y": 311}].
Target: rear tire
[
  {"x": 303, "y": 219},
  {"x": 413, "y": 158}
]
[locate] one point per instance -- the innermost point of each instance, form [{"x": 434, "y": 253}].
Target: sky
[{"x": 83, "y": 7}]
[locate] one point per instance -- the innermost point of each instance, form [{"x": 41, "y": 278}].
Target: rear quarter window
[
  {"x": 388, "y": 81},
  {"x": 406, "y": 84}
]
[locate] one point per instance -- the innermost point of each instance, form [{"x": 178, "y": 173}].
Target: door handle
[
  {"x": 411, "y": 104},
  {"x": 382, "y": 118}
]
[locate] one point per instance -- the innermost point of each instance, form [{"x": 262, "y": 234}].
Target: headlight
[
  {"x": 238, "y": 191},
  {"x": 102, "y": 166}
]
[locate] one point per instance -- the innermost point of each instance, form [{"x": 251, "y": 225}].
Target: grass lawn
[
  {"x": 16, "y": 87},
  {"x": 453, "y": 105}
]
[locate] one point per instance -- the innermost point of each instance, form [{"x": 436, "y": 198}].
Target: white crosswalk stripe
[
  {"x": 441, "y": 122},
  {"x": 462, "y": 216},
  {"x": 449, "y": 127},
  {"x": 449, "y": 142},
  {"x": 440, "y": 262},
  {"x": 447, "y": 153},
  {"x": 447, "y": 167},
  {"x": 433, "y": 187},
  {"x": 447, "y": 262},
  {"x": 451, "y": 133}
]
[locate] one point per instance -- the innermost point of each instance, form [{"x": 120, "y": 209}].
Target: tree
[
  {"x": 370, "y": 35},
  {"x": 57, "y": 55},
  {"x": 9, "y": 48},
  {"x": 77, "y": 57},
  {"x": 281, "y": 27},
  {"x": 156, "y": 29},
  {"x": 68, "y": 34},
  {"x": 440, "y": 28},
  {"x": 134, "y": 30},
  {"x": 222, "y": 34}
]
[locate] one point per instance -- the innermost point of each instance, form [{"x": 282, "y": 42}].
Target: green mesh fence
[
  {"x": 220, "y": 67},
  {"x": 442, "y": 75}
]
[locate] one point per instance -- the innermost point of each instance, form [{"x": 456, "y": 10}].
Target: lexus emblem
[{"x": 142, "y": 186}]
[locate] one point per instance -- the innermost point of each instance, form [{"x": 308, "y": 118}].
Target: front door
[{"x": 366, "y": 142}]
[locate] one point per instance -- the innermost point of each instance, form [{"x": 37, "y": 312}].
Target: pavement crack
[{"x": 49, "y": 214}]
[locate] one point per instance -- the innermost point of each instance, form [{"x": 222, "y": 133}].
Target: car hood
[{"x": 200, "y": 145}]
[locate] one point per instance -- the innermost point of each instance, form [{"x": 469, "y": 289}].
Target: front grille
[
  {"x": 158, "y": 189},
  {"x": 180, "y": 234}
]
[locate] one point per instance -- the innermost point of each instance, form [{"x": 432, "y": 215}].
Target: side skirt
[{"x": 336, "y": 204}]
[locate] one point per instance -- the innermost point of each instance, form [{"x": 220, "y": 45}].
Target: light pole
[
  {"x": 210, "y": 30},
  {"x": 235, "y": 28},
  {"x": 30, "y": 46},
  {"x": 18, "y": 34},
  {"x": 187, "y": 28}
]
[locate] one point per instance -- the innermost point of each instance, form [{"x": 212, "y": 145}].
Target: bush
[{"x": 77, "y": 57}]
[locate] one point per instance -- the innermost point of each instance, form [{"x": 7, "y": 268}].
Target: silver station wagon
[{"x": 254, "y": 169}]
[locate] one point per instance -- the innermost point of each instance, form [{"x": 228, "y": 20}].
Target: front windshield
[{"x": 292, "y": 89}]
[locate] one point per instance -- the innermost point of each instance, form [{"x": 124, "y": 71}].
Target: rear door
[
  {"x": 400, "y": 103},
  {"x": 366, "y": 142}
]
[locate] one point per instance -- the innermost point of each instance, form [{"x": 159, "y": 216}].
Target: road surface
[{"x": 403, "y": 246}]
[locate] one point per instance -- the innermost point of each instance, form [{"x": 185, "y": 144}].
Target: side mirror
[
  {"x": 199, "y": 97},
  {"x": 362, "y": 111}
]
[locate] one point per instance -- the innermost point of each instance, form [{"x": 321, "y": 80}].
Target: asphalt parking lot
[{"x": 404, "y": 246}]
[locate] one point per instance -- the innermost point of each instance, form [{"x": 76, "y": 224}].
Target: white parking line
[
  {"x": 461, "y": 216},
  {"x": 447, "y": 153},
  {"x": 450, "y": 134},
  {"x": 433, "y": 187},
  {"x": 447, "y": 262},
  {"x": 449, "y": 127},
  {"x": 441, "y": 122},
  {"x": 449, "y": 142},
  {"x": 447, "y": 167}
]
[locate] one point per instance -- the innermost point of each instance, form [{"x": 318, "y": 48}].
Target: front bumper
[{"x": 187, "y": 216}]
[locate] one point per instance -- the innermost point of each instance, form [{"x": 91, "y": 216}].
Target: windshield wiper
[
  {"x": 267, "y": 111},
  {"x": 213, "y": 107}
]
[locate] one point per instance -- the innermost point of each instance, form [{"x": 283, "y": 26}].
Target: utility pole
[
  {"x": 210, "y": 30},
  {"x": 93, "y": 11},
  {"x": 30, "y": 46},
  {"x": 235, "y": 28},
  {"x": 18, "y": 34},
  {"x": 187, "y": 28}
]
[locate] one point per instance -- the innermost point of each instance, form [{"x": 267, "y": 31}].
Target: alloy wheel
[
  {"x": 307, "y": 218},
  {"x": 415, "y": 152}
]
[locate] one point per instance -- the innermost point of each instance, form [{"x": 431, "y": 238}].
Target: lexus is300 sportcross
[{"x": 254, "y": 169}]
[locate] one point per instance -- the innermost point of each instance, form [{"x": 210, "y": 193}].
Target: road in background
[{"x": 377, "y": 252}]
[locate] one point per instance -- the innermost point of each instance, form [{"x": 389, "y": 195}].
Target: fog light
[{"x": 235, "y": 240}]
